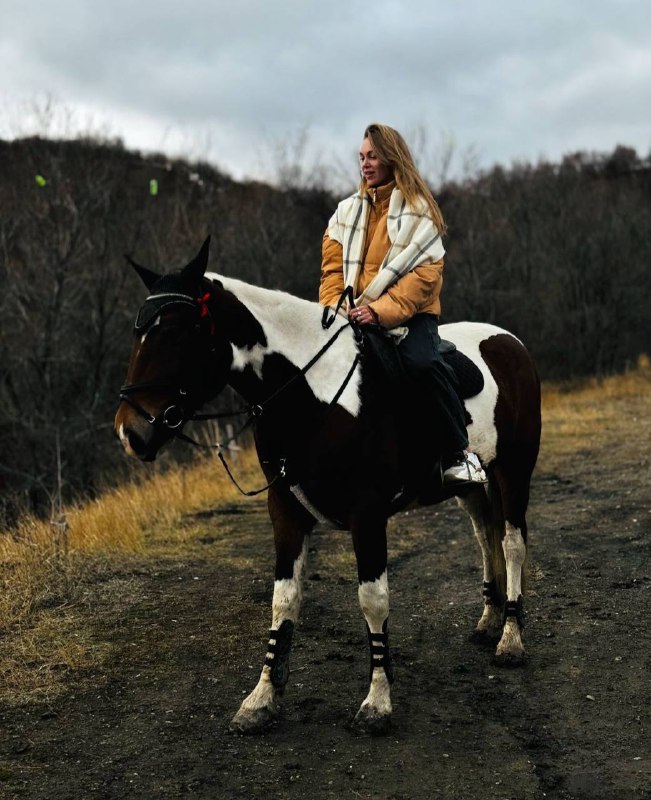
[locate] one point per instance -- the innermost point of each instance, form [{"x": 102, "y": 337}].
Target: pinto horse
[{"x": 336, "y": 442}]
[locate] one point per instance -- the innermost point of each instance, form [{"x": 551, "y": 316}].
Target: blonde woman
[{"x": 385, "y": 243}]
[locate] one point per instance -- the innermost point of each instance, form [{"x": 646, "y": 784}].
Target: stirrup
[{"x": 467, "y": 468}]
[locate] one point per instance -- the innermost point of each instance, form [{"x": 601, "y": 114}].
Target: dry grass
[
  {"x": 38, "y": 654},
  {"x": 37, "y": 552},
  {"x": 615, "y": 410},
  {"x": 563, "y": 396}
]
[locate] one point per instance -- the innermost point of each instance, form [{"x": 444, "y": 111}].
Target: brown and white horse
[{"x": 353, "y": 462}]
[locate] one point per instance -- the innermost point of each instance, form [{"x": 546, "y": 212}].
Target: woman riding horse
[
  {"x": 384, "y": 243},
  {"x": 315, "y": 397}
]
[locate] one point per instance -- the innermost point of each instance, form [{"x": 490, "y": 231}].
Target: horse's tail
[{"x": 495, "y": 536}]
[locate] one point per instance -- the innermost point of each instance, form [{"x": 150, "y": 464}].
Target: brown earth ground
[{"x": 171, "y": 640}]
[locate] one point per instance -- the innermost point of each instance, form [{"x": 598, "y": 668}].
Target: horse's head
[{"x": 177, "y": 361}]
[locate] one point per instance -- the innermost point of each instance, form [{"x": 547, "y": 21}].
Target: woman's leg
[
  {"x": 424, "y": 364},
  {"x": 436, "y": 380}
]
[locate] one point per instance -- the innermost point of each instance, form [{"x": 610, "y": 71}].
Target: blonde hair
[{"x": 392, "y": 150}]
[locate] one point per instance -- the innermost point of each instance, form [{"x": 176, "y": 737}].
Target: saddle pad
[{"x": 471, "y": 381}]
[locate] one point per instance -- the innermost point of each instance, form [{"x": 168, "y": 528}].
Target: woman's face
[{"x": 374, "y": 172}]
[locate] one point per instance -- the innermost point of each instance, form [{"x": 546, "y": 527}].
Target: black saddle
[{"x": 381, "y": 347}]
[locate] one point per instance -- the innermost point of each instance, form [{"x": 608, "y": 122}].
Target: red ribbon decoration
[
  {"x": 203, "y": 303},
  {"x": 205, "y": 311}
]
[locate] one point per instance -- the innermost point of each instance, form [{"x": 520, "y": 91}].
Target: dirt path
[{"x": 187, "y": 637}]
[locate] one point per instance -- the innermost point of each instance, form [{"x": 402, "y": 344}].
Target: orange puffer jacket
[{"x": 416, "y": 292}]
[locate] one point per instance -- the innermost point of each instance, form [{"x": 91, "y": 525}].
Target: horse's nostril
[{"x": 136, "y": 442}]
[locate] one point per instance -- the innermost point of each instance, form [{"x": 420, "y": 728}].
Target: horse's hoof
[
  {"x": 248, "y": 722},
  {"x": 510, "y": 650},
  {"x": 370, "y": 720},
  {"x": 485, "y": 637},
  {"x": 490, "y": 625},
  {"x": 505, "y": 658}
]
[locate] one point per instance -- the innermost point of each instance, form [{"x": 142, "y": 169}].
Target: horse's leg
[
  {"x": 370, "y": 542},
  {"x": 476, "y": 505},
  {"x": 514, "y": 490},
  {"x": 291, "y": 525}
]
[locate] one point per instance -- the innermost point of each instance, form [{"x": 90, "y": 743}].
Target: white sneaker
[{"x": 466, "y": 468}]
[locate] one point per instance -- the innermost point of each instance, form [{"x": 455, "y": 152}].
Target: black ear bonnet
[{"x": 154, "y": 306}]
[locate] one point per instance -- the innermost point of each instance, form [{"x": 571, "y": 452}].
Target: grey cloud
[{"x": 515, "y": 80}]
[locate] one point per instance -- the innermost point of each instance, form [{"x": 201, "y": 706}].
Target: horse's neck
[
  {"x": 292, "y": 329},
  {"x": 287, "y": 321}
]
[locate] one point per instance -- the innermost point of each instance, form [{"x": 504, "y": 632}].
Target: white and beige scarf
[{"x": 414, "y": 239}]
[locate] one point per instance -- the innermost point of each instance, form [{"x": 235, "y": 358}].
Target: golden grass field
[
  {"x": 571, "y": 410},
  {"x": 45, "y": 567}
]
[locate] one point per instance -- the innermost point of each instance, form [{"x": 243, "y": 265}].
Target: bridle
[{"x": 174, "y": 416}]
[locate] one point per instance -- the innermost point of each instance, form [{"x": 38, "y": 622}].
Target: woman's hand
[{"x": 363, "y": 316}]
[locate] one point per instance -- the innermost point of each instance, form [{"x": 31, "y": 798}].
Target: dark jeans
[{"x": 425, "y": 366}]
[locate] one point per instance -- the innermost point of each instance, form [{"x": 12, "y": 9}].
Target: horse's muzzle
[{"x": 138, "y": 437}]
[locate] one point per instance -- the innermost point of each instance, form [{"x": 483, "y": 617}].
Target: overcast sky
[{"x": 226, "y": 80}]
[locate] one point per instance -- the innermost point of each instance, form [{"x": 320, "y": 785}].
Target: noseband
[{"x": 172, "y": 417}]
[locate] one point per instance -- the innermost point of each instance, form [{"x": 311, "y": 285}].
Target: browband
[{"x": 155, "y": 304}]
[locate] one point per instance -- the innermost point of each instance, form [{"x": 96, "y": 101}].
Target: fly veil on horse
[{"x": 316, "y": 398}]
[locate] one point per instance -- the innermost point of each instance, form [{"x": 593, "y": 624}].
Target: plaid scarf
[{"x": 414, "y": 240}]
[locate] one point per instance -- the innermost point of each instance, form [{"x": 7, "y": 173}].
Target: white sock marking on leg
[
  {"x": 374, "y": 602},
  {"x": 514, "y": 554},
  {"x": 288, "y": 592}
]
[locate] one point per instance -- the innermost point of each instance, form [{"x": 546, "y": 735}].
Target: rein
[{"x": 173, "y": 417}]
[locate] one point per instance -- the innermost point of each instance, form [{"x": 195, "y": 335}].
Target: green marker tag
[
  {"x": 153, "y": 187},
  {"x": 40, "y": 180}
]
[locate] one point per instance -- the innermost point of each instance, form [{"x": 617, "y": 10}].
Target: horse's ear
[
  {"x": 196, "y": 269},
  {"x": 147, "y": 276}
]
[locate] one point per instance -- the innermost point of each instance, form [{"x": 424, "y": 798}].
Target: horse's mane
[{"x": 276, "y": 300}]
